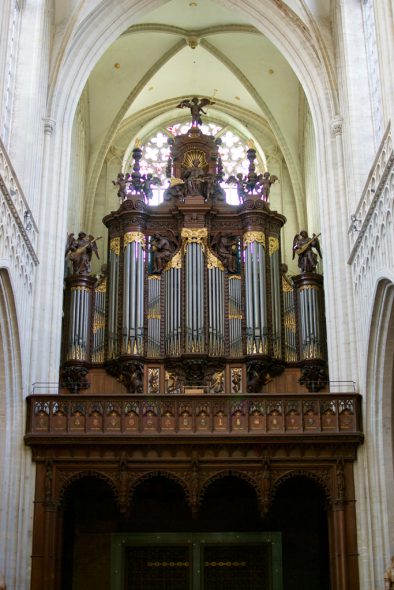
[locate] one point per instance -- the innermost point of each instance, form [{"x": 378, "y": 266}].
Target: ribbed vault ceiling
[{"x": 198, "y": 47}]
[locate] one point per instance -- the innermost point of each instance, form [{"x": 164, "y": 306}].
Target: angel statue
[
  {"x": 389, "y": 576},
  {"x": 80, "y": 252},
  {"x": 162, "y": 248},
  {"x": 196, "y": 108},
  {"x": 121, "y": 182},
  {"x": 148, "y": 180},
  {"x": 240, "y": 182},
  {"x": 302, "y": 246}
]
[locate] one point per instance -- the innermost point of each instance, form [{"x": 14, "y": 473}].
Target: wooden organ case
[
  {"x": 196, "y": 357},
  {"x": 195, "y": 296}
]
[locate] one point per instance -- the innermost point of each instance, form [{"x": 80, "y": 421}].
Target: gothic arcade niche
[{"x": 195, "y": 298}]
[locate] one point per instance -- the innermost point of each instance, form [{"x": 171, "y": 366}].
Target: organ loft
[{"x": 194, "y": 361}]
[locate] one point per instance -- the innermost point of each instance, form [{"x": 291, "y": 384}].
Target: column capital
[
  {"x": 49, "y": 125},
  {"x": 336, "y": 125}
]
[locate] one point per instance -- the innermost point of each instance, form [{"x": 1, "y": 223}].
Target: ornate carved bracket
[
  {"x": 73, "y": 378},
  {"x": 314, "y": 376},
  {"x": 128, "y": 372},
  {"x": 262, "y": 371}
]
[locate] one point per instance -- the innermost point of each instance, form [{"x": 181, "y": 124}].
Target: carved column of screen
[
  {"x": 255, "y": 293},
  {"x": 276, "y": 306},
  {"x": 194, "y": 241},
  {"x": 235, "y": 315},
  {"x": 215, "y": 305},
  {"x": 172, "y": 281},
  {"x": 100, "y": 293},
  {"x": 80, "y": 318},
  {"x": 289, "y": 321},
  {"x": 309, "y": 290},
  {"x": 154, "y": 317},
  {"x": 113, "y": 292},
  {"x": 133, "y": 293}
]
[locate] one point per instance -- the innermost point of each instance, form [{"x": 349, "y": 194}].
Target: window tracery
[
  {"x": 373, "y": 69},
  {"x": 10, "y": 71}
]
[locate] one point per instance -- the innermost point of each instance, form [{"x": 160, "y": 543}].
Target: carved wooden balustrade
[{"x": 257, "y": 415}]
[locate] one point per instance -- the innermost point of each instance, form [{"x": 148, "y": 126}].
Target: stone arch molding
[
  {"x": 379, "y": 422},
  {"x": 14, "y": 461}
]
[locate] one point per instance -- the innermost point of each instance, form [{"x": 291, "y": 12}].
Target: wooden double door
[{"x": 202, "y": 561}]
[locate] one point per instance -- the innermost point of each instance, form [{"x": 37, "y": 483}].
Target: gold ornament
[
  {"x": 114, "y": 246},
  {"x": 133, "y": 236},
  {"x": 213, "y": 261},
  {"x": 253, "y": 236},
  {"x": 273, "y": 245},
  {"x": 175, "y": 262}
]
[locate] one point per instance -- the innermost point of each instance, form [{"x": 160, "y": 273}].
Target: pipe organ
[{"x": 195, "y": 297}]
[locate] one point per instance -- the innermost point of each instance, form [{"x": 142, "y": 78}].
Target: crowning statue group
[{"x": 194, "y": 182}]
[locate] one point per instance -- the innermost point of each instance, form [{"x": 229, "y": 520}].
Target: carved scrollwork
[
  {"x": 67, "y": 478},
  {"x": 339, "y": 501},
  {"x": 139, "y": 478},
  {"x": 320, "y": 476},
  {"x": 251, "y": 477},
  {"x": 265, "y": 488}
]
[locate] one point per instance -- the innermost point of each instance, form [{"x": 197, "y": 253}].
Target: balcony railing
[{"x": 257, "y": 415}]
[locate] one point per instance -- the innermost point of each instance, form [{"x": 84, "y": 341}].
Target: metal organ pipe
[
  {"x": 249, "y": 298},
  {"x": 132, "y": 295},
  {"x": 140, "y": 299},
  {"x": 263, "y": 297},
  {"x": 113, "y": 299},
  {"x": 256, "y": 306},
  {"x": 71, "y": 327}
]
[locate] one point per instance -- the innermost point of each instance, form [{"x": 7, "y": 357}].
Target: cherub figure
[
  {"x": 148, "y": 180},
  {"x": 80, "y": 252},
  {"x": 196, "y": 108},
  {"x": 121, "y": 182},
  {"x": 240, "y": 182},
  {"x": 265, "y": 181},
  {"x": 302, "y": 246}
]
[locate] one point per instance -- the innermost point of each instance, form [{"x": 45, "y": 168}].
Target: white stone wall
[
  {"x": 79, "y": 158},
  {"x": 372, "y": 261}
]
